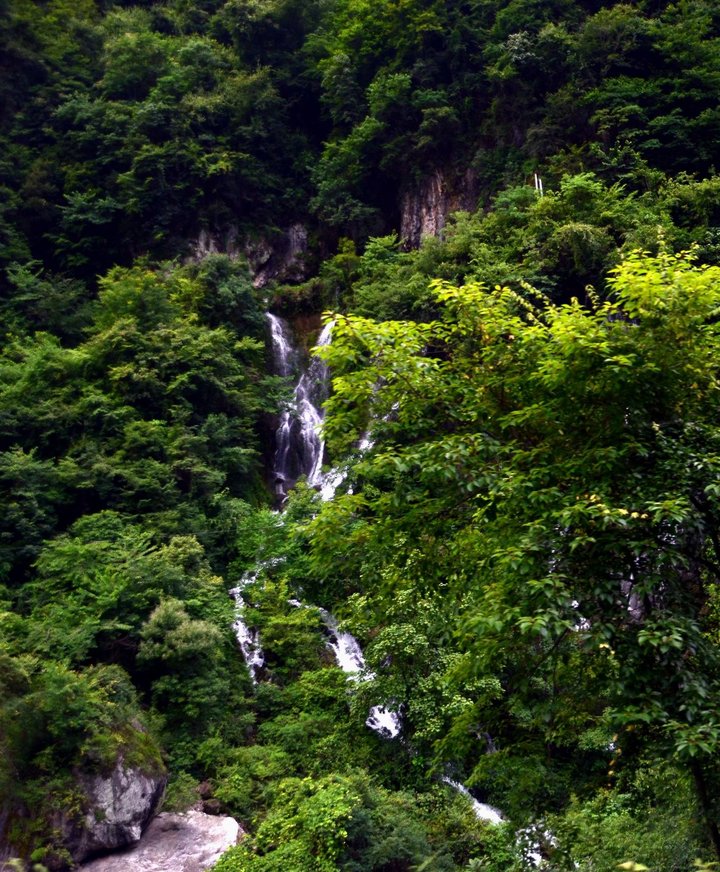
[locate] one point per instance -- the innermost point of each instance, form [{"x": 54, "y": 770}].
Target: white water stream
[
  {"x": 248, "y": 639},
  {"x": 349, "y": 657},
  {"x": 299, "y": 446},
  {"x": 299, "y": 451},
  {"x": 482, "y": 811}
]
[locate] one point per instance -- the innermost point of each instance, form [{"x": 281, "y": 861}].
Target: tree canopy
[
  {"x": 510, "y": 211},
  {"x": 552, "y": 469}
]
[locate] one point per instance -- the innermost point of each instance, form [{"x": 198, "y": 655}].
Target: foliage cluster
[
  {"x": 128, "y": 448},
  {"x": 526, "y": 545},
  {"x": 547, "y": 473}
]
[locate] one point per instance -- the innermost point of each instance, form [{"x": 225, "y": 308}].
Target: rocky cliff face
[
  {"x": 190, "y": 842},
  {"x": 282, "y": 258},
  {"x": 207, "y": 243},
  {"x": 425, "y": 207}
]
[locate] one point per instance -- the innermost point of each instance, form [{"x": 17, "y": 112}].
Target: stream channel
[{"x": 299, "y": 451}]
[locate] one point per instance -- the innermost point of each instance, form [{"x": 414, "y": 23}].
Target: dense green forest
[{"x": 509, "y": 210}]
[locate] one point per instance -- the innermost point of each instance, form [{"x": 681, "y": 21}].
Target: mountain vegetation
[{"x": 523, "y": 423}]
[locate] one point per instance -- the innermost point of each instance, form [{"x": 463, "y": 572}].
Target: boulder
[
  {"x": 189, "y": 842},
  {"x": 118, "y": 807}
]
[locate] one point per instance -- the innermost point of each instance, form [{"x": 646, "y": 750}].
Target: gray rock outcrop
[
  {"x": 118, "y": 808},
  {"x": 190, "y": 842},
  {"x": 208, "y": 243},
  {"x": 281, "y": 258},
  {"x": 425, "y": 208}
]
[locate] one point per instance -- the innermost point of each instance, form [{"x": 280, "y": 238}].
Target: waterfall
[
  {"x": 530, "y": 840},
  {"x": 482, "y": 811},
  {"x": 248, "y": 639},
  {"x": 299, "y": 450},
  {"x": 283, "y": 353},
  {"x": 350, "y": 658},
  {"x": 345, "y": 647},
  {"x": 310, "y": 394},
  {"x": 299, "y": 447}
]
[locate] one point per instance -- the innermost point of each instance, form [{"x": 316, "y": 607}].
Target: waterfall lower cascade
[
  {"x": 482, "y": 811},
  {"x": 248, "y": 639},
  {"x": 299, "y": 451},
  {"x": 349, "y": 657},
  {"x": 529, "y": 840},
  {"x": 299, "y": 445}
]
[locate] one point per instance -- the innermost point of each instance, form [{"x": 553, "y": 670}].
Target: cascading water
[
  {"x": 332, "y": 480},
  {"x": 482, "y": 811},
  {"x": 345, "y": 647},
  {"x": 530, "y": 840},
  {"x": 299, "y": 447},
  {"x": 248, "y": 639},
  {"x": 299, "y": 451},
  {"x": 350, "y": 658},
  {"x": 283, "y": 353},
  {"x": 283, "y": 356}
]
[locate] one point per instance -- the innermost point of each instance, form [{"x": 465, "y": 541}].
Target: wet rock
[
  {"x": 205, "y": 790},
  {"x": 118, "y": 806},
  {"x": 189, "y": 842}
]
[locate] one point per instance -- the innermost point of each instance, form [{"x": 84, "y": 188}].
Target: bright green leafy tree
[{"x": 554, "y": 468}]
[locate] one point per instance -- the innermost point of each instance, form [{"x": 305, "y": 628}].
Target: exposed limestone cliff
[
  {"x": 208, "y": 243},
  {"x": 281, "y": 258},
  {"x": 425, "y": 207},
  {"x": 284, "y": 259}
]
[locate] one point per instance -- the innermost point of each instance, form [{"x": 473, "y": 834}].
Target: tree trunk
[{"x": 706, "y": 804}]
